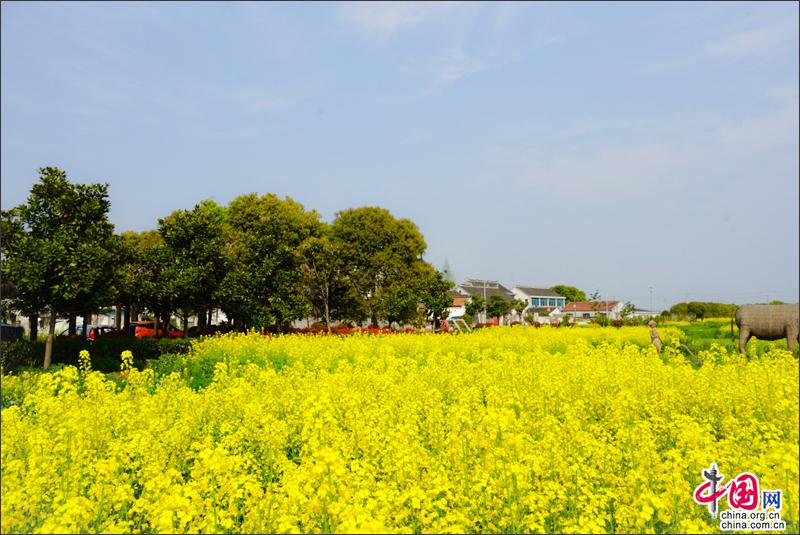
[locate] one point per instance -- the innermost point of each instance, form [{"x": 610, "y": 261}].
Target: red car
[{"x": 145, "y": 329}]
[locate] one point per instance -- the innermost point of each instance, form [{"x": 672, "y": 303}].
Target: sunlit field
[{"x": 501, "y": 430}]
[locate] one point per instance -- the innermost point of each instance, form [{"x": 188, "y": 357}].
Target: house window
[
  {"x": 534, "y": 301},
  {"x": 552, "y": 302},
  {"x": 585, "y": 314}
]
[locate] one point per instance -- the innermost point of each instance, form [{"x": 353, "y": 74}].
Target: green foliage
[
  {"x": 602, "y": 320},
  {"x": 105, "y": 352},
  {"x": 433, "y": 291},
  {"x": 324, "y": 276},
  {"x": 383, "y": 264},
  {"x": 497, "y": 307},
  {"x": 702, "y": 335},
  {"x": 701, "y": 310},
  {"x": 195, "y": 250},
  {"x": 62, "y": 250},
  {"x": 475, "y": 306},
  {"x": 571, "y": 293},
  {"x": 628, "y": 309},
  {"x": 519, "y": 305},
  {"x": 263, "y": 286}
]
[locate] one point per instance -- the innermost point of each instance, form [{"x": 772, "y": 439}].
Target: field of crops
[{"x": 502, "y": 430}]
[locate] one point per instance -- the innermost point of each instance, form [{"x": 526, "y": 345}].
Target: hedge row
[{"x": 104, "y": 352}]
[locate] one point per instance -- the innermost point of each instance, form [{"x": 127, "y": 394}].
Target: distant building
[
  {"x": 590, "y": 309},
  {"x": 539, "y": 299},
  {"x": 639, "y": 313},
  {"x": 485, "y": 289},
  {"x": 458, "y": 303}
]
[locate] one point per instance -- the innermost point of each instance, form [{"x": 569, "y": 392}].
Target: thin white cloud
[
  {"x": 389, "y": 18},
  {"x": 746, "y": 40},
  {"x": 752, "y": 41},
  {"x": 590, "y": 171},
  {"x": 764, "y": 133}
]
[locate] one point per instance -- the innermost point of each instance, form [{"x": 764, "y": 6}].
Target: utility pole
[{"x": 484, "y": 300}]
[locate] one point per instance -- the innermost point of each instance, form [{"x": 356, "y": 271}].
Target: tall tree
[
  {"x": 475, "y": 306},
  {"x": 324, "y": 277},
  {"x": 383, "y": 257},
  {"x": 63, "y": 255},
  {"x": 263, "y": 285},
  {"x": 497, "y": 307},
  {"x": 519, "y": 306},
  {"x": 196, "y": 248},
  {"x": 27, "y": 293},
  {"x": 434, "y": 294},
  {"x": 571, "y": 293}
]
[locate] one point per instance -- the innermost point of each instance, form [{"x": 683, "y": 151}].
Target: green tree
[
  {"x": 475, "y": 306},
  {"x": 434, "y": 294},
  {"x": 383, "y": 260},
  {"x": 196, "y": 248},
  {"x": 698, "y": 309},
  {"x": 263, "y": 286},
  {"x": 63, "y": 251},
  {"x": 628, "y": 309},
  {"x": 519, "y": 305},
  {"x": 27, "y": 294},
  {"x": 571, "y": 293},
  {"x": 497, "y": 307},
  {"x": 324, "y": 277}
]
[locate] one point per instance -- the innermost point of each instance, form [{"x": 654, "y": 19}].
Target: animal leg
[
  {"x": 791, "y": 337},
  {"x": 744, "y": 336}
]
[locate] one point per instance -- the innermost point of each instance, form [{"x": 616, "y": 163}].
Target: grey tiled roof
[
  {"x": 537, "y": 292},
  {"x": 476, "y": 288}
]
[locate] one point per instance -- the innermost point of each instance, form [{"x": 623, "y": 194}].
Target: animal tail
[{"x": 733, "y": 339}]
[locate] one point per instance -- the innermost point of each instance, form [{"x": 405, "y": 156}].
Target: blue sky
[{"x": 610, "y": 146}]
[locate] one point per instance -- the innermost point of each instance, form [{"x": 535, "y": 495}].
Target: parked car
[
  {"x": 146, "y": 329},
  {"x": 93, "y": 332}
]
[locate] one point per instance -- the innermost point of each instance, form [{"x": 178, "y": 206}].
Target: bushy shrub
[{"x": 105, "y": 352}]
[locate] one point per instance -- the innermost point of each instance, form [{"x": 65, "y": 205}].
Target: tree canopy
[
  {"x": 62, "y": 252},
  {"x": 384, "y": 263},
  {"x": 571, "y": 293}
]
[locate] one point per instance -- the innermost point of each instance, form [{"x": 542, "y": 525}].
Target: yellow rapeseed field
[{"x": 502, "y": 430}]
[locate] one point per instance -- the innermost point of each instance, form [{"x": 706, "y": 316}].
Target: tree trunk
[
  {"x": 87, "y": 319},
  {"x": 202, "y": 318},
  {"x": 48, "y": 348},
  {"x": 72, "y": 324},
  {"x": 327, "y": 309},
  {"x": 210, "y": 312},
  {"x": 155, "y": 325},
  {"x": 33, "y": 323},
  {"x": 185, "y": 326},
  {"x": 127, "y": 322},
  {"x": 118, "y": 317}
]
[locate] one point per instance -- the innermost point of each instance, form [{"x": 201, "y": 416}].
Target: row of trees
[
  {"x": 262, "y": 260},
  {"x": 700, "y": 310}
]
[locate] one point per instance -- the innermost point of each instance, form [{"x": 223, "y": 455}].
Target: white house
[
  {"x": 484, "y": 289},
  {"x": 458, "y": 305},
  {"x": 539, "y": 299},
  {"x": 590, "y": 309}
]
